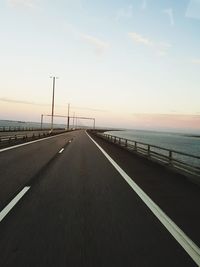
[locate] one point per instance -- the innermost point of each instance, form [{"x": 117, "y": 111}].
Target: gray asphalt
[
  {"x": 78, "y": 212},
  {"x": 175, "y": 194},
  {"x": 18, "y": 166}
]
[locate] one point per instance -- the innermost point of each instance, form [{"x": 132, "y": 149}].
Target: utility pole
[
  {"x": 94, "y": 124},
  {"x": 41, "y": 126},
  {"x": 52, "y": 111},
  {"x": 68, "y": 117}
]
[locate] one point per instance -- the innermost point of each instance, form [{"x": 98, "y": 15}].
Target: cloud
[
  {"x": 137, "y": 38},
  {"x": 196, "y": 61},
  {"x": 124, "y": 13},
  {"x": 174, "y": 120},
  {"x": 99, "y": 45},
  {"x": 22, "y": 3},
  {"x": 169, "y": 12},
  {"x": 193, "y": 10},
  {"x": 10, "y": 100},
  {"x": 167, "y": 115},
  {"x": 161, "y": 48},
  {"x": 177, "y": 122}
]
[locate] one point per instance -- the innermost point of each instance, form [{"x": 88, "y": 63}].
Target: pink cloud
[{"x": 167, "y": 120}]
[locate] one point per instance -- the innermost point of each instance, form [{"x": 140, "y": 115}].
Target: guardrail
[
  {"x": 21, "y": 129},
  {"x": 7, "y": 140},
  {"x": 183, "y": 162}
]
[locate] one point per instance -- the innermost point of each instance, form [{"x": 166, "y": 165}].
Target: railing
[
  {"x": 7, "y": 140},
  {"x": 16, "y": 128},
  {"x": 20, "y": 128},
  {"x": 181, "y": 161}
]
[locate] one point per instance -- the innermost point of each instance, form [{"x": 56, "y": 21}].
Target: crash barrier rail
[
  {"x": 7, "y": 140},
  {"x": 183, "y": 162},
  {"x": 20, "y": 128}
]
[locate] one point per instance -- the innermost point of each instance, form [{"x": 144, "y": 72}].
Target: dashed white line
[
  {"x": 61, "y": 150},
  {"x": 187, "y": 244},
  {"x": 7, "y": 209}
]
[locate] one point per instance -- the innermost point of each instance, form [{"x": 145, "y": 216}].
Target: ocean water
[{"x": 174, "y": 141}]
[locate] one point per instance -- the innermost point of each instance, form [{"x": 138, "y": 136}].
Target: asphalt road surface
[{"x": 76, "y": 209}]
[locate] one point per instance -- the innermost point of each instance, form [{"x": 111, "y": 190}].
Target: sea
[{"x": 181, "y": 142}]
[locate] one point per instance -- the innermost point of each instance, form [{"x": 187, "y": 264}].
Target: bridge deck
[{"x": 79, "y": 211}]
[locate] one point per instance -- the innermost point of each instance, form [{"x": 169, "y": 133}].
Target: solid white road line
[
  {"x": 61, "y": 150},
  {"x": 7, "y": 209},
  {"x": 28, "y": 143},
  {"x": 187, "y": 244}
]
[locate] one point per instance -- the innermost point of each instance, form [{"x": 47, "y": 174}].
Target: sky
[{"x": 129, "y": 64}]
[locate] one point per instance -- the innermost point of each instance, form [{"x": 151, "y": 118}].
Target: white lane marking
[
  {"x": 28, "y": 143},
  {"x": 61, "y": 150},
  {"x": 7, "y": 209},
  {"x": 187, "y": 244}
]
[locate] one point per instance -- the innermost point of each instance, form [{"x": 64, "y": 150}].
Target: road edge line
[{"x": 187, "y": 244}]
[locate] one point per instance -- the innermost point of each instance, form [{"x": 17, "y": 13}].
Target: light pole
[{"x": 52, "y": 111}]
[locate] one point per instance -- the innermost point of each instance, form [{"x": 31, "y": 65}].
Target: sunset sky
[{"x": 133, "y": 64}]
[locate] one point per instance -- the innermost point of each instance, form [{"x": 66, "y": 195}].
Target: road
[{"x": 79, "y": 211}]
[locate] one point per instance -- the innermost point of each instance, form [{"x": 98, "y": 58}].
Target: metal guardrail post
[
  {"x": 126, "y": 143},
  {"x": 163, "y": 155},
  {"x": 170, "y": 158},
  {"x": 149, "y": 150}
]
